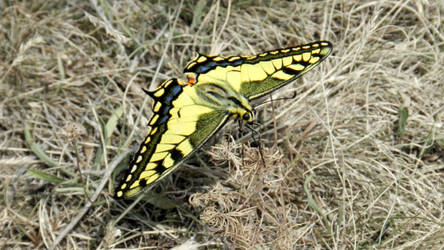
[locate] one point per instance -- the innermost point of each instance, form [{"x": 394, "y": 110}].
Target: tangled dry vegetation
[{"x": 356, "y": 160}]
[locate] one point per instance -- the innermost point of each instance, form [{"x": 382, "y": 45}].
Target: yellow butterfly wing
[
  {"x": 181, "y": 123},
  {"x": 258, "y": 75}
]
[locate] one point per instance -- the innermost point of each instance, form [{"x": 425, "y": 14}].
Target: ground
[{"x": 355, "y": 160}]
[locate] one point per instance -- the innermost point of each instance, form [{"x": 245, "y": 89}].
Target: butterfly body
[{"x": 186, "y": 116}]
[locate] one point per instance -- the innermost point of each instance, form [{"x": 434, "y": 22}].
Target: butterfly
[{"x": 187, "y": 114}]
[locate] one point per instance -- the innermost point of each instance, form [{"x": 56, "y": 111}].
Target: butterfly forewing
[{"x": 258, "y": 75}]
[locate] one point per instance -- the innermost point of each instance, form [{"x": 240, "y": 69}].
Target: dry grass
[{"x": 341, "y": 170}]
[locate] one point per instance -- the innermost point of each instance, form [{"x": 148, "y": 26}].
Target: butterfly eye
[{"x": 246, "y": 117}]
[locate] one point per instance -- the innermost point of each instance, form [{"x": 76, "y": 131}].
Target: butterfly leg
[{"x": 253, "y": 132}]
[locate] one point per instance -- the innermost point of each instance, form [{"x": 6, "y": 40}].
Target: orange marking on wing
[{"x": 191, "y": 79}]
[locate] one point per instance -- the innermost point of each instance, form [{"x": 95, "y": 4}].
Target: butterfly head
[{"x": 243, "y": 113}]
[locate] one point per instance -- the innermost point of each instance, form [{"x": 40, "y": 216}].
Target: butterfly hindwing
[
  {"x": 180, "y": 124},
  {"x": 258, "y": 75}
]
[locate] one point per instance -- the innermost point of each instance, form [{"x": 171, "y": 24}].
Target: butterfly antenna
[{"x": 295, "y": 93}]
